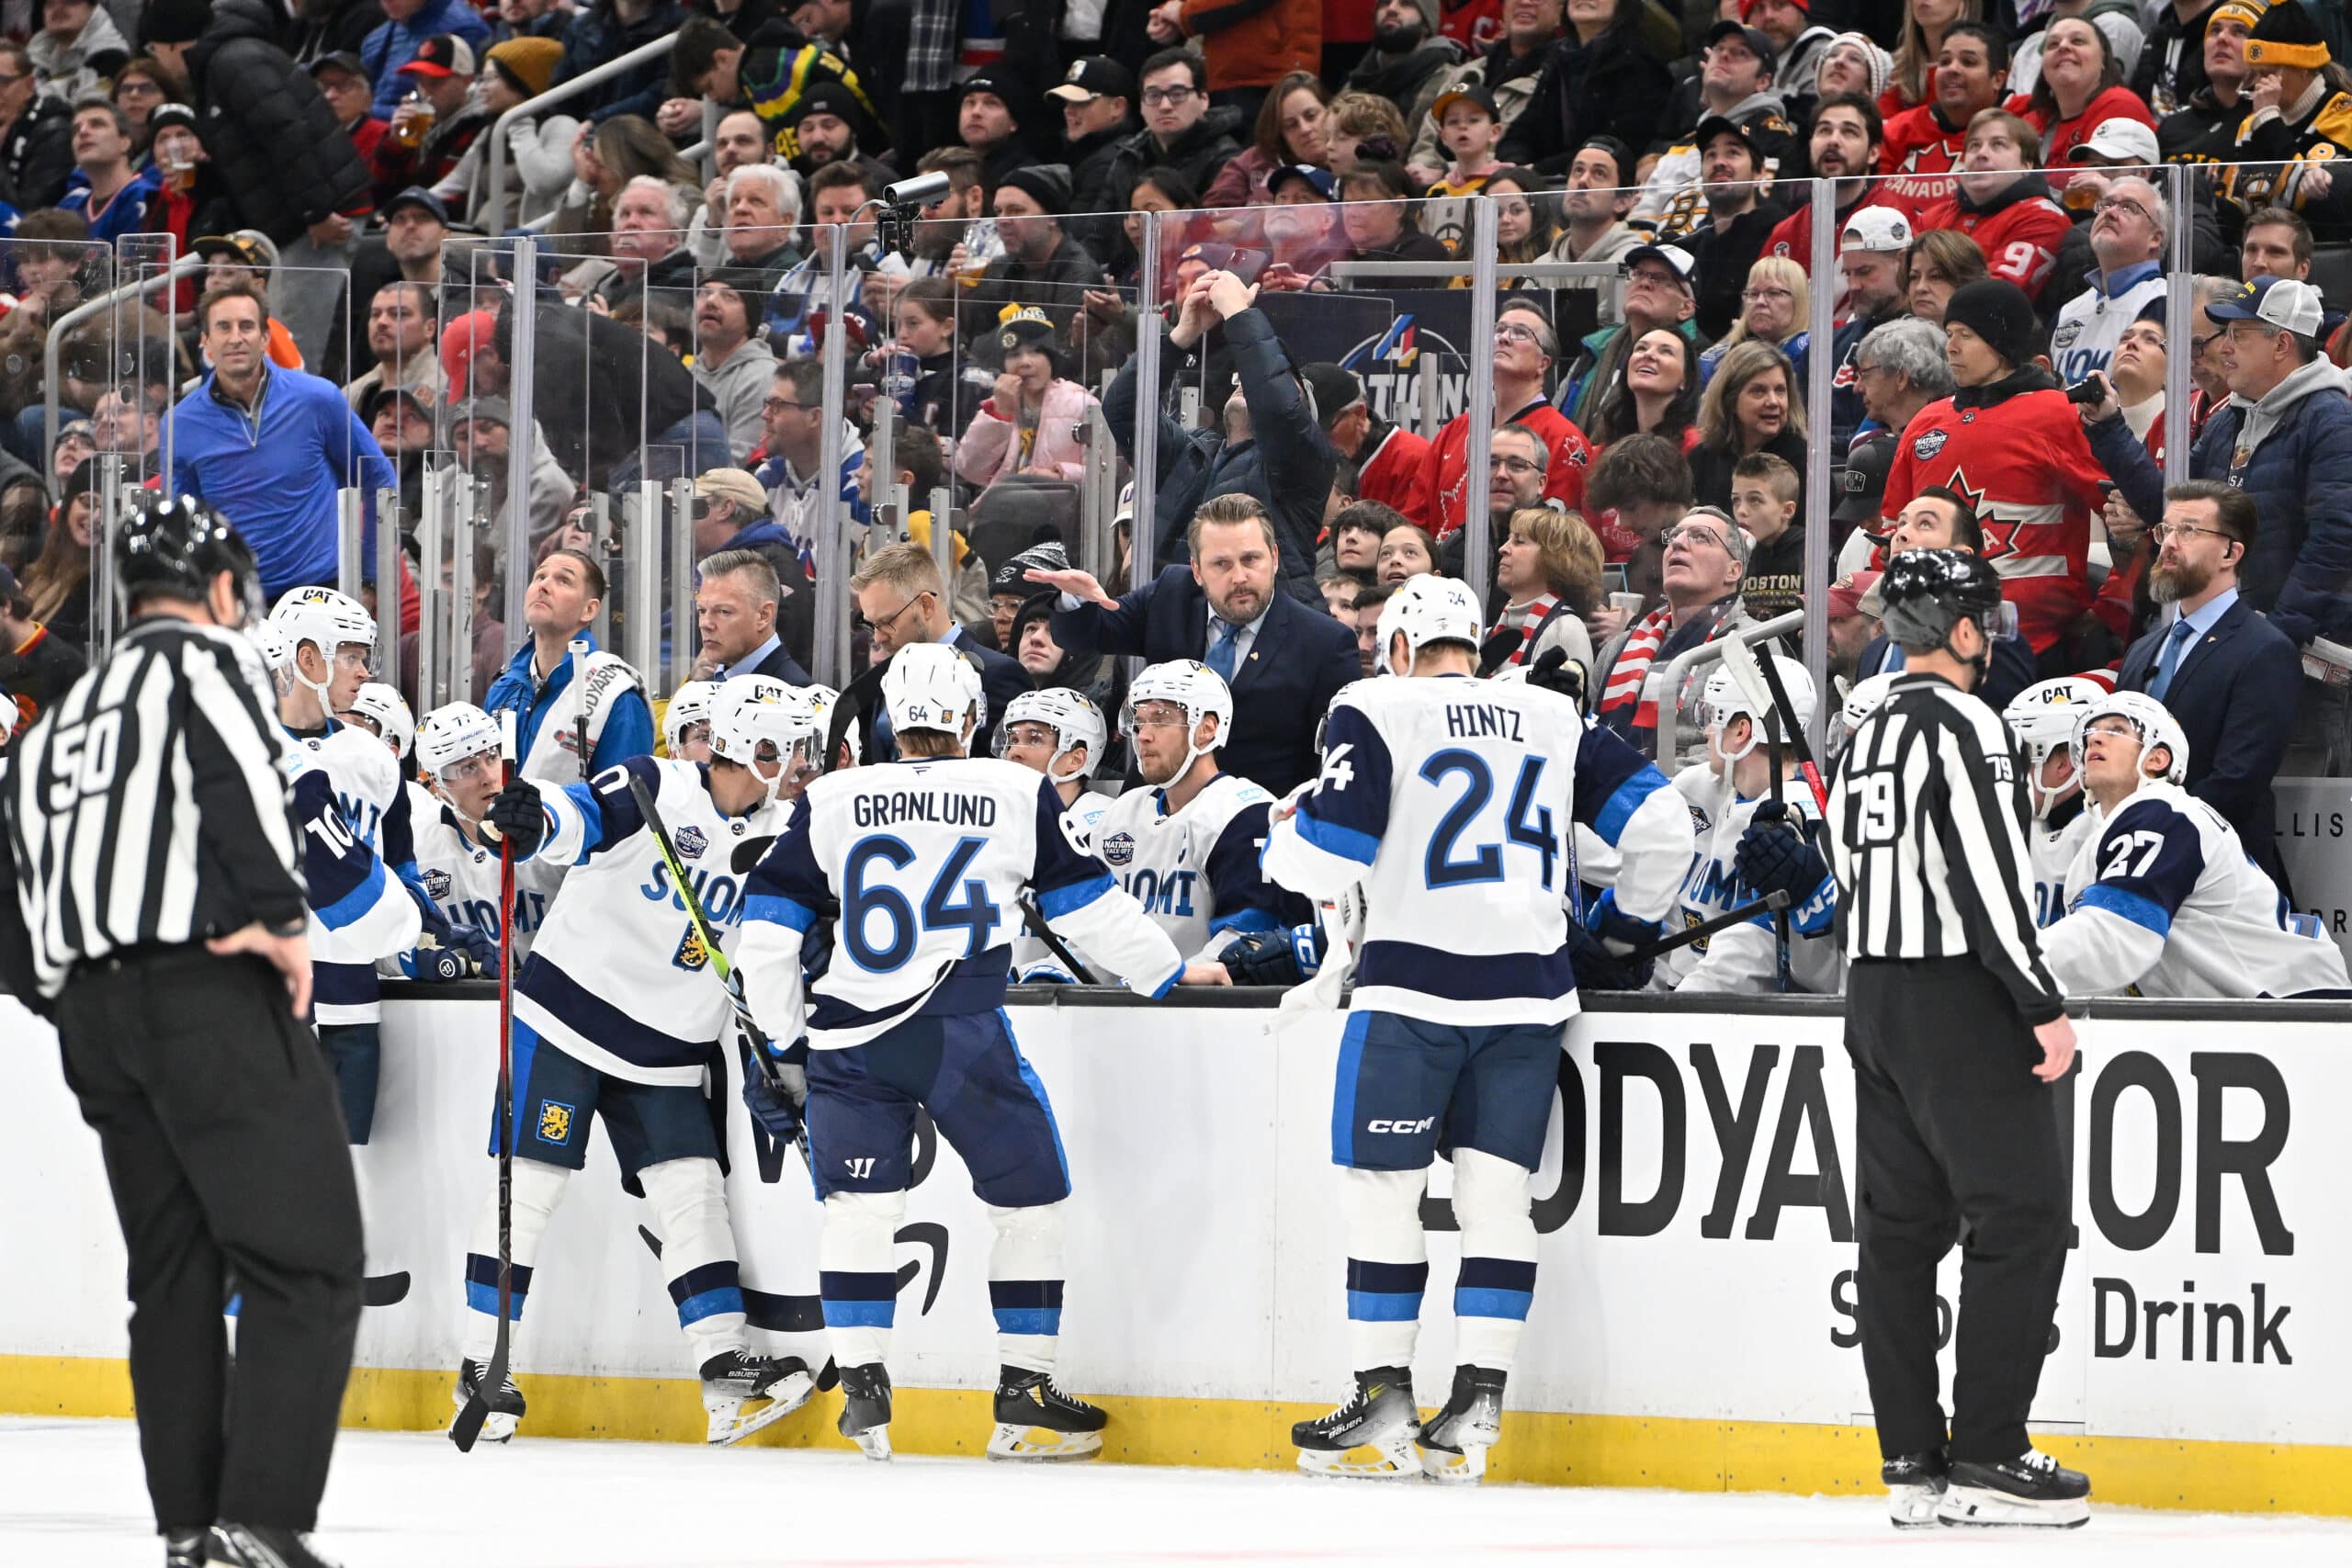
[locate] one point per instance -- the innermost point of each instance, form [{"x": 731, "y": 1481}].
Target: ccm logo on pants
[{"x": 1384, "y": 1124}]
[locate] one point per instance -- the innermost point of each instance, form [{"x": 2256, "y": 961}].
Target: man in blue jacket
[
  {"x": 1273, "y": 447},
  {"x": 573, "y": 718},
  {"x": 270, "y": 446},
  {"x": 1282, "y": 660},
  {"x": 408, "y": 23},
  {"x": 2285, "y": 438}
]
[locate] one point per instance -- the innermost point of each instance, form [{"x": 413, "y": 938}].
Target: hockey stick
[
  {"x": 578, "y": 654},
  {"x": 1054, "y": 945},
  {"x": 1773, "y": 902},
  {"x": 1759, "y": 682},
  {"x": 467, "y": 1427},
  {"x": 762, "y": 1047}
]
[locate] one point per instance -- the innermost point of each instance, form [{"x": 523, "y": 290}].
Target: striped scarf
[
  {"x": 1532, "y": 617},
  {"x": 1630, "y": 673}
]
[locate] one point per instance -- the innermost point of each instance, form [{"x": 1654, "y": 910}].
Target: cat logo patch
[
  {"x": 555, "y": 1123},
  {"x": 691, "y": 841},
  {"x": 691, "y": 953},
  {"x": 436, "y": 886}
]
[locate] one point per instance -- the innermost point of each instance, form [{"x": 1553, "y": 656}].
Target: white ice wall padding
[{"x": 1204, "y": 1251}]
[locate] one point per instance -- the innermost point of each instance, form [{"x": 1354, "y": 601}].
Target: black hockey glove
[
  {"x": 1552, "y": 671},
  {"x": 481, "y": 948},
  {"x": 430, "y": 962},
  {"x": 1775, "y": 855},
  {"x": 1269, "y": 958},
  {"x": 1597, "y": 969},
  {"x": 519, "y": 818},
  {"x": 774, "y": 1102}
]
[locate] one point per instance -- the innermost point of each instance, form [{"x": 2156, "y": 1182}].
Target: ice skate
[
  {"x": 260, "y": 1546},
  {"x": 866, "y": 1408},
  {"x": 505, "y": 1404},
  {"x": 1455, "y": 1441},
  {"x": 1915, "y": 1485},
  {"x": 1371, "y": 1436},
  {"x": 742, "y": 1393},
  {"x": 1035, "y": 1420},
  {"x": 187, "y": 1549},
  {"x": 2032, "y": 1491}
]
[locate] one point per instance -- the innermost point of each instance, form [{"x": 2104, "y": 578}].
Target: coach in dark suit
[
  {"x": 2229, "y": 676},
  {"x": 901, "y": 596},
  {"x": 736, "y": 595},
  {"x": 1283, "y": 659}
]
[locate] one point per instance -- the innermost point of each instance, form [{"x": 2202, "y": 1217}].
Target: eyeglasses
[
  {"x": 778, "y": 405},
  {"x": 2199, "y": 344},
  {"x": 891, "y": 619},
  {"x": 1171, "y": 95},
  {"x": 2122, "y": 204},
  {"x": 1692, "y": 534},
  {"x": 2189, "y": 530},
  {"x": 1516, "y": 331},
  {"x": 1753, "y": 295},
  {"x": 135, "y": 87},
  {"x": 1861, "y": 370},
  {"x": 1656, "y": 277},
  {"x": 1512, "y": 465}
]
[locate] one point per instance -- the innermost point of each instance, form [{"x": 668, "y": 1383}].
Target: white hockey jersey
[
  {"x": 355, "y": 820},
  {"x": 1452, "y": 801},
  {"x": 2164, "y": 899},
  {"x": 1195, "y": 872},
  {"x": 2051, "y": 848},
  {"x": 1741, "y": 959},
  {"x": 921, "y": 863},
  {"x": 459, "y": 873},
  {"x": 619, "y": 976},
  {"x": 1033, "y": 962}
]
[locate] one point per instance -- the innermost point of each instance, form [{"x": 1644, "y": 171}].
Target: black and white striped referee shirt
[
  {"x": 1928, "y": 814},
  {"x": 151, "y": 805}
]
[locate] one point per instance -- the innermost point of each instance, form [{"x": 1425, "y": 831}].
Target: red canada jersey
[
  {"x": 1564, "y": 475},
  {"x": 2061, "y": 137},
  {"x": 1915, "y": 146},
  {"x": 1793, "y": 236},
  {"x": 2023, "y": 464},
  {"x": 1398, "y": 475},
  {"x": 2019, "y": 239}
]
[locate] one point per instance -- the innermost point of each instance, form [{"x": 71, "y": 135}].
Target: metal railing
[
  {"x": 53, "y": 345},
  {"x": 1677, "y": 675},
  {"x": 493, "y": 174}
]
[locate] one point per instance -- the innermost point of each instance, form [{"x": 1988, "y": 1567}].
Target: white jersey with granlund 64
[
  {"x": 1452, "y": 801},
  {"x": 2164, "y": 899},
  {"x": 923, "y": 865},
  {"x": 619, "y": 976}
]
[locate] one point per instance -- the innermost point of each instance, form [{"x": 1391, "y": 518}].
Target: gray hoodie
[
  {"x": 2264, "y": 414},
  {"x": 64, "y": 70}
]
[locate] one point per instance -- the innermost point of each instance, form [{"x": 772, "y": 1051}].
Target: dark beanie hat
[
  {"x": 1047, "y": 182},
  {"x": 1997, "y": 311},
  {"x": 174, "y": 21}
]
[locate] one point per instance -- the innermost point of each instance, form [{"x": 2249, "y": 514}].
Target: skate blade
[
  {"x": 730, "y": 1424},
  {"x": 1463, "y": 1468},
  {"x": 1035, "y": 1445},
  {"x": 1913, "y": 1507},
  {"x": 874, "y": 1442},
  {"x": 496, "y": 1427},
  {"x": 1390, "y": 1460},
  {"x": 1980, "y": 1507}
]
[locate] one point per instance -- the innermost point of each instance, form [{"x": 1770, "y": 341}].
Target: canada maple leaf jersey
[
  {"x": 355, "y": 824},
  {"x": 2025, "y": 467},
  {"x": 458, "y": 872},
  {"x": 1915, "y": 148},
  {"x": 2021, "y": 239},
  {"x": 1743, "y": 958},
  {"x": 921, "y": 866},
  {"x": 1454, "y": 801},
  {"x": 1033, "y": 961},
  {"x": 1196, "y": 870},
  {"x": 618, "y": 977},
  {"x": 2165, "y": 901},
  {"x": 2051, "y": 848}
]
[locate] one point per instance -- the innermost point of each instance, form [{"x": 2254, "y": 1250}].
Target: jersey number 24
[{"x": 1446, "y": 865}]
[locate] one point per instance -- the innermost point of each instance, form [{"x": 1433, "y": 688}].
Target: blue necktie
[
  {"x": 1223, "y": 650},
  {"x": 2170, "y": 659}
]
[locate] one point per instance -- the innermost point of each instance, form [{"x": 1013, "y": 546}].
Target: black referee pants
[
  {"x": 1951, "y": 1126},
  {"x": 217, "y": 1116}
]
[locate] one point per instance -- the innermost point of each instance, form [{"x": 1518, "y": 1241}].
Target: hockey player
[
  {"x": 921, "y": 860},
  {"x": 1451, "y": 800},
  {"x": 685, "y": 723},
  {"x": 2042, "y": 719},
  {"x": 1057, "y": 732},
  {"x": 382, "y": 712},
  {"x": 616, "y": 1015},
  {"x": 1757, "y": 840},
  {"x": 2166, "y": 900},
  {"x": 457, "y": 860},
  {"x": 1186, "y": 843}
]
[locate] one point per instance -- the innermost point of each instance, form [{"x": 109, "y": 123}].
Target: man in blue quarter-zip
[{"x": 270, "y": 446}]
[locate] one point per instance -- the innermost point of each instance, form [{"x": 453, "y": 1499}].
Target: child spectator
[{"x": 1764, "y": 503}]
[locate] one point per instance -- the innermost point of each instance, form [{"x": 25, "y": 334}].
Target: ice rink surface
[{"x": 71, "y": 1497}]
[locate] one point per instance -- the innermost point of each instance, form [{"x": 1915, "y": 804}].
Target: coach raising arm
[
  {"x": 150, "y": 905},
  {"x": 1956, "y": 1031}
]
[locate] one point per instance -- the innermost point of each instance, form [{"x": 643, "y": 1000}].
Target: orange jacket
[{"x": 1255, "y": 43}]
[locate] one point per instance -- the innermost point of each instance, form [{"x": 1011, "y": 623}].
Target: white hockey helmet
[
  {"x": 277, "y": 656},
  {"x": 823, "y": 701},
  {"x": 1427, "y": 609},
  {"x": 450, "y": 734},
  {"x": 1724, "y": 699},
  {"x": 1074, "y": 719},
  {"x": 929, "y": 685},
  {"x": 327, "y": 620},
  {"x": 690, "y": 704},
  {"x": 754, "y": 711},
  {"x": 395, "y": 725},
  {"x": 1191, "y": 686},
  {"x": 1862, "y": 699},
  {"x": 2042, "y": 719},
  {"x": 2153, "y": 721}
]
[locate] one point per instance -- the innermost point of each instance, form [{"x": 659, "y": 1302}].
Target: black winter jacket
[
  {"x": 598, "y": 395},
  {"x": 37, "y": 154},
  {"x": 1614, "y": 84},
  {"x": 267, "y": 129}
]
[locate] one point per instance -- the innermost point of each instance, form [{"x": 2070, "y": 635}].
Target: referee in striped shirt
[
  {"x": 1957, "y": 1033},
  {"x": 152, "y": 907}
]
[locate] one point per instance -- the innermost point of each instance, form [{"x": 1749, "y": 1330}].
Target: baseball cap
[
  {"x": 377, "y": 398},
  {"x": 246, "y": 246},
  {"x": 1862, "y": 484},
  {"x": 1326, "y": 185},
  {"x": 1469, "y": 92},
  {"x": 1846, "y": 593},
  {"x": 1676, "y": 258},
  {"x": 170, "y": 115},
  {"x": 2286, "y": 303},
  {"x": 1092, "y": 77},
  {"x": 416, "y": 196},
  {"x": 343, "y": 61},
  {"x": 443, "y": 54},
  {"x": 1758, "y": 42},
  {"x": 1715, "y": 125},
  {"x": 731, "y": 484},
  {"x": 2120, "y": 141},
  {"x": 1876, "y": 229},
  {"x": 492, "y": 410}
]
